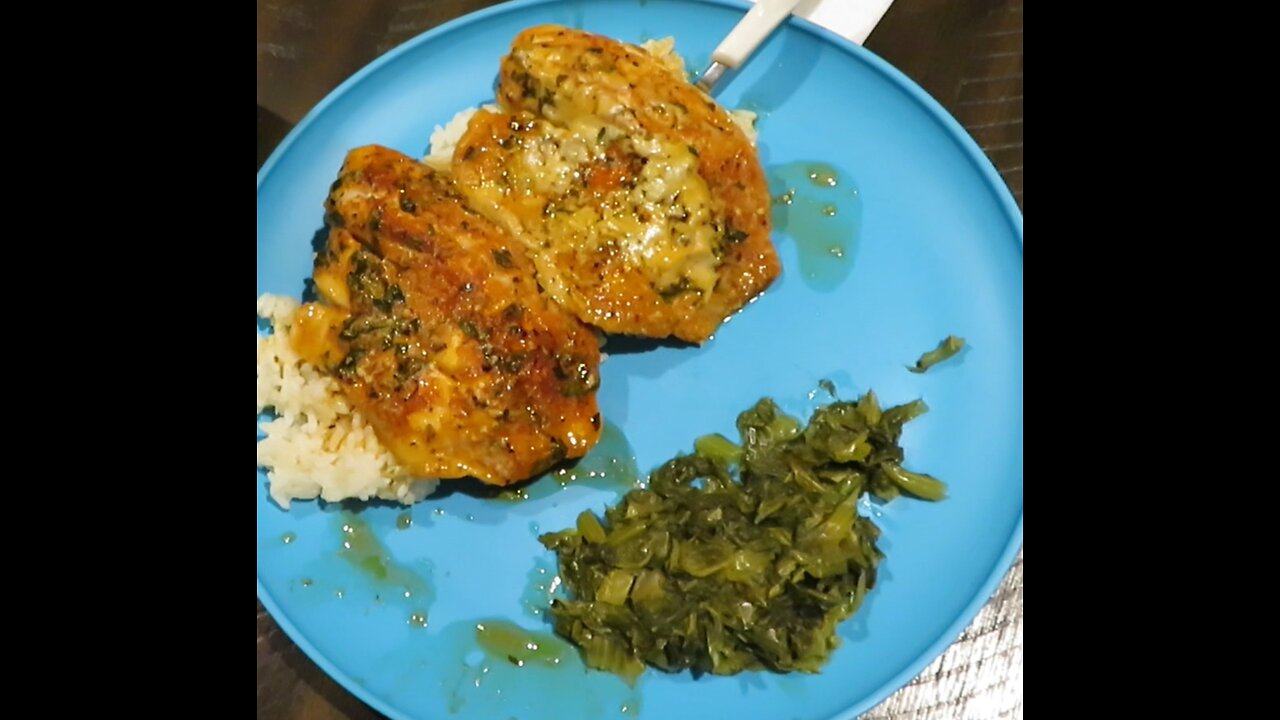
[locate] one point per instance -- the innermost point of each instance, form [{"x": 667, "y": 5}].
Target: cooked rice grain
[{"x": 317, "y": 445}]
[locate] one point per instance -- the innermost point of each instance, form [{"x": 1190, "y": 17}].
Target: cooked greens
[
  {"x": 739, "y": 556},
  {"x": 946, "y": 349}
]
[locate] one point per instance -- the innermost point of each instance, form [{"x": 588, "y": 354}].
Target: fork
[
  {"x": 851, "y": 19},
  {"x": 759, "y": 22}
]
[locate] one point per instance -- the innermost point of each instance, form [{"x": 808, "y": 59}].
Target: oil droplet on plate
[
  {"x": 542, "y": 585},
  {"x": 502, "y": 639},
  {"x": 820, "y": 211},
  {"x": 611, "y": 465},
  {"x": 288, "y": 538},
  {"x": 404, "y": 521},
  {"x": 363, "y": 550},
  {"x": 823, "y": 175},
  {"x": 418, "y": 619},
  {"x": 491, "y": 669}
]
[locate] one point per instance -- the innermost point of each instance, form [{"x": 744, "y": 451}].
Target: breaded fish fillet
[
  {"x": 436, "y": 330},
  {"x": 641, "y": 202}
]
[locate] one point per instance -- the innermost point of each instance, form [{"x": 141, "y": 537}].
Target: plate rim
[{"x": 952, "y": 127}]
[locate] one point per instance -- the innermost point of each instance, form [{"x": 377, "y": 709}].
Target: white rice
[
  {"x": 746, "y": 119},
  {"x": 445, "y": 137},
  {"x": 665, "y": 50},
  {"x": 318, "y": 445}
]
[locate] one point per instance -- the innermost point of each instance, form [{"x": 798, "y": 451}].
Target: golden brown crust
[
  {"x": 556, "y": 78},
  {"x": 446, "y": 346}
]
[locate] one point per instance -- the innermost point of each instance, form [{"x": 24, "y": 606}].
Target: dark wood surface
[{"x": 966, "y": 53}]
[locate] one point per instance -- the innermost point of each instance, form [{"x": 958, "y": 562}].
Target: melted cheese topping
[
  {"x": 587, "y": 188},
  {"x": 641, "y": 202}
]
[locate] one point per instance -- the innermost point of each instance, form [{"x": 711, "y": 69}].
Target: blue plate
[{"x": 929, "y": 243}]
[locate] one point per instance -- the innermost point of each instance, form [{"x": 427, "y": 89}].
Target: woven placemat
[{"x": 980, "y": 676}]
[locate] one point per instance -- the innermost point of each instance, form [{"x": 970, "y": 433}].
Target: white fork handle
[
  {"x": 751, "y": 30},
  {"x": 853, "y": 19}
]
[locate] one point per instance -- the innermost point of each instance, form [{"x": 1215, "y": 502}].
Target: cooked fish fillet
[
  {"x": 641, "y": 202},
  {"x": 434, "y": 326}
]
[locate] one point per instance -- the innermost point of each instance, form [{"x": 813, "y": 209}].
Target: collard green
[
  {"x": 739, "y": 556},
  {"x": 946, "y": 349}
]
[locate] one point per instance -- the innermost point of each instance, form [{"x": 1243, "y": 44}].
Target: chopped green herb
[
  {"x": 513, "y": 362},
  {"x": 734, "y": 235},
  {"x": 384, "y": 322},
  {"x": 946, "y": 349},
  {"x": 576, "y": 377},
  {"x": 674, "y": 290}
]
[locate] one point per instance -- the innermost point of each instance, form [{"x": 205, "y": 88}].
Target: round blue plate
[{"x": 928, "y": 243}]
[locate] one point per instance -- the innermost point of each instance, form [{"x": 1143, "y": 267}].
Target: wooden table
[{"x": 966, "y": 53}]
